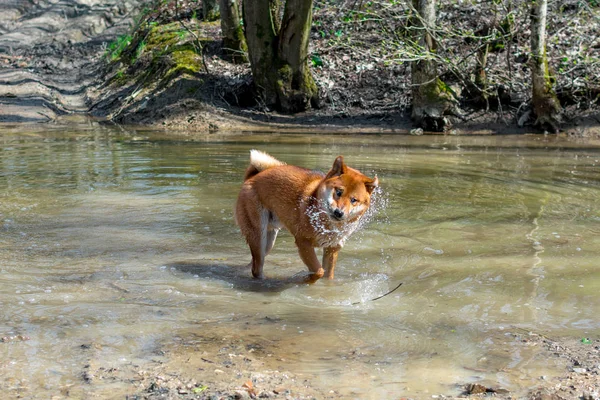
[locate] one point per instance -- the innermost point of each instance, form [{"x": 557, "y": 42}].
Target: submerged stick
[{"x": 383, "y": 295}]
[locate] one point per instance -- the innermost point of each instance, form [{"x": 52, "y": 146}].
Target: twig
[{"x": 383, "y": 295}]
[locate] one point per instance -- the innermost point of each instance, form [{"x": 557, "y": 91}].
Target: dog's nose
[{"x": 338, "y": 213}]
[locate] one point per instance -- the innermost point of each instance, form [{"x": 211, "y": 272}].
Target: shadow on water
[{"x": 239, "y": 276}]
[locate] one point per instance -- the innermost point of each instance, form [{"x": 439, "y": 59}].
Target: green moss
[
  {"x": 285, "y": 72},
  {"x": 284, "y": 78},
  {"x": 185, "y": 61},
  {"x": 161, "y": 37},
  {"x": 548, "y": 75},
  {"x": 160, "y": 53},
  {"x": 431, "y": 91},
  {"x": 308, "y": 84}
]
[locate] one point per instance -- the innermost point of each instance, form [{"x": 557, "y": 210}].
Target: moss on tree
[
  {"x": 545, "y": 103},
  {"x": 278, "y": 50}
]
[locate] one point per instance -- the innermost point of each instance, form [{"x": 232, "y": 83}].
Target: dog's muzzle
[{"x": 337, "y": 214}]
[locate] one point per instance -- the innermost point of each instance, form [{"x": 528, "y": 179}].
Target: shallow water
[{"x": 125, "y": 239}]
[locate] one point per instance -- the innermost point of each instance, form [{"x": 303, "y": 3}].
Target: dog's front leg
[
  {"x": 330, "y": 255},
  {"x": 308, "y": 255}
]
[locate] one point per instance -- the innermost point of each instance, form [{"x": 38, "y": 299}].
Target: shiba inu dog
[{"x": 319, "y": 210}]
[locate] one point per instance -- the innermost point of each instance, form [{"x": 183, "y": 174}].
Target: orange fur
[{"x": 319, "y": 210}]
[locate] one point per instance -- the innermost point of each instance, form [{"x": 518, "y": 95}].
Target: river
[{"x": 123, "y": 241}]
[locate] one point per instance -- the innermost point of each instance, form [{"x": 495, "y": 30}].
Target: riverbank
[
  {"x": 221, "y": 364},
  {"x": 75, "y": 70}
]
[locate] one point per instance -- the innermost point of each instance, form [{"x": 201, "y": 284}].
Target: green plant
[
  {"x": 139, "y": 51},
  {"x": 316, "y": 61},
  {"x": 115, "y": 49}
]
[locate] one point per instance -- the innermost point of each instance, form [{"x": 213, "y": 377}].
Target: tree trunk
[
  {"x": 262, "y": 48},
  {"x": 432, "y": 99},
  {"x": 481, "y": 60},
  {"x": 278, "y": 51},
  {"x": 545, "y": 103},
  {"x": 480, "y": 75},
  {"x": 210, "y": 10},
  {"x": 234, "y": 42}
]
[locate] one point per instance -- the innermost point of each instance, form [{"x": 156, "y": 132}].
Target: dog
[{"x": 319, "y": 210}]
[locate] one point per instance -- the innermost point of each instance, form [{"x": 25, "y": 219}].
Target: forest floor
[{"x": 54, "y": 64}]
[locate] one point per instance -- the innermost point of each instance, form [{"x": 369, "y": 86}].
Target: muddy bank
[
  {"x": 50, "y": 54},
  {"x": 57, "y": 59},
  {"x": 217, "y": 363}
]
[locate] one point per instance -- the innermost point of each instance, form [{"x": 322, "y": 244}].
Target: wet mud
[{"x": 50, "y": 54}]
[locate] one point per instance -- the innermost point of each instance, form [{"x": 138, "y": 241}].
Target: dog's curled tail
[{"x": 259, "y": 161}]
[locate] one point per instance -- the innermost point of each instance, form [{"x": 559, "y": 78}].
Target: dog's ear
[
  {"x": 338, "y": 168},
  {"x": 371, "y": 184}
]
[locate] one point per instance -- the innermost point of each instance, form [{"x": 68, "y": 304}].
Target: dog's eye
[
  {"x": 353, "y": 200},
  {"x": 338, "y": 192}
]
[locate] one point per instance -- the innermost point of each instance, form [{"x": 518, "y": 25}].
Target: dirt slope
[{"x": 50, "y": 51}]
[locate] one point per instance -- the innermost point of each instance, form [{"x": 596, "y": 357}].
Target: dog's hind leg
[
  {"x": 253, "y": 220},
  {"x": 258, "y": 244}
]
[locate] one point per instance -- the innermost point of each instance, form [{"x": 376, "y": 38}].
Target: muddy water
[{"x": 122, "y": 244}]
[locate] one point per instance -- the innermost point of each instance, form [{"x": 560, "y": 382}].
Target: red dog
[{"x": 319, "y": 210}]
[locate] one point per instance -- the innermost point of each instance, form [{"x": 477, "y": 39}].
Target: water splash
[
  {"x": 365, "y": 289},
  {"x": 357, "y": 292},
  {"x": 379, "y": 203},
  {"x": 331, "y": 234},
  {"x": 376, "y": 213}
]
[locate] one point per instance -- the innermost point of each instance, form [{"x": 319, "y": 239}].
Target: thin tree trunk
[
  {"x": 545, "y": 103},
  {"x": 278, "y": 52},
  {"x": 480, "y": 75},
  {"x": 234, "y": 42},
  {"x": 481, "y": 80},
  {"x": 432, "y": 100}
]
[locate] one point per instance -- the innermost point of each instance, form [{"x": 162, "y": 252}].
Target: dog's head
[{"x": 346, "y": 192}]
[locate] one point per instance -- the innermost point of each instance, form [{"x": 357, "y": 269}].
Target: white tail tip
[{"x": 261, "y": 160}]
